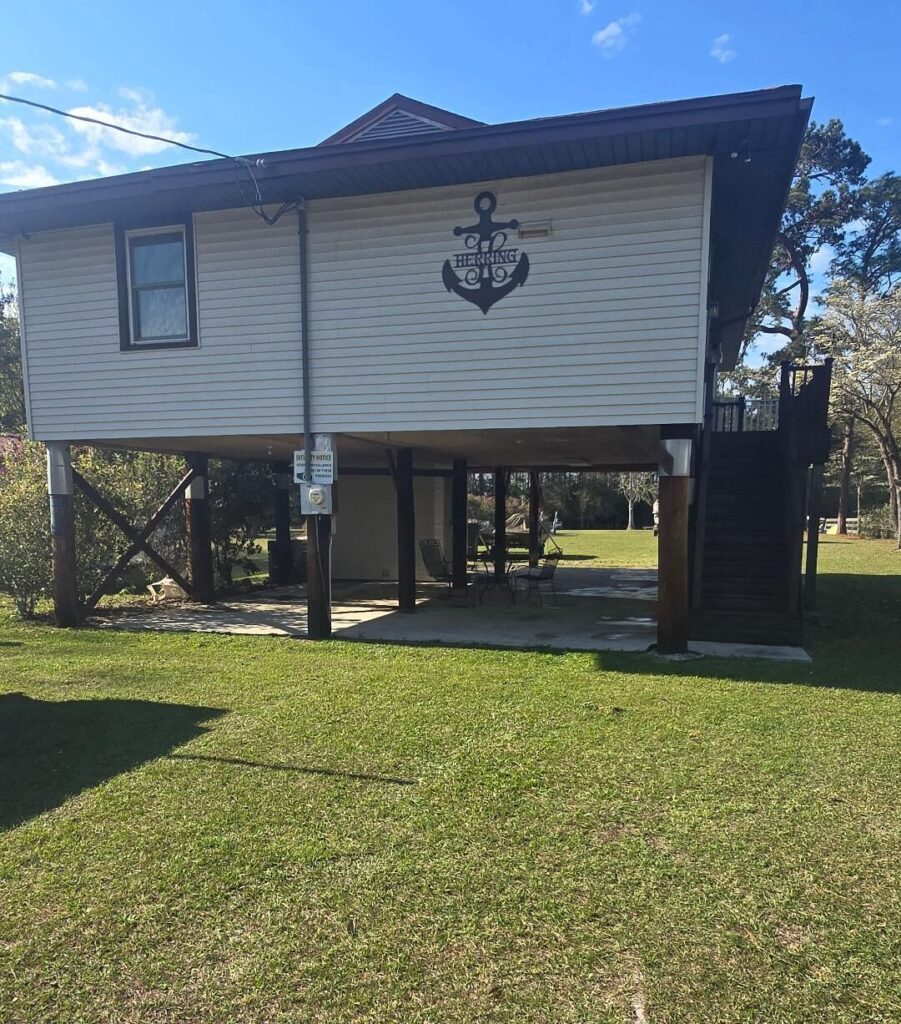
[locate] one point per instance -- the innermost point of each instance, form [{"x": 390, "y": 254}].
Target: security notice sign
[{"x": 322, "y": 467}]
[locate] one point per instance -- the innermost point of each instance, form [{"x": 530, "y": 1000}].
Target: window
[{"x": 157, "y": 304}]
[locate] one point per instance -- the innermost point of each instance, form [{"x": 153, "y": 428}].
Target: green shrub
[
  {"x": 877, "y": 522},
  {"x": 241, "y": 503},
  {"x": 136, "y": 484},
  {"x": 25, "y": 571}
]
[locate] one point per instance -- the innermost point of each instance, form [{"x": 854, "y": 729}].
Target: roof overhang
[{"x": 753, "y": 138}]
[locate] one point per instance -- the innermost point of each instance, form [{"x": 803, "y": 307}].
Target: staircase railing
[
  {"x": 807, "y": 389},
  {"x": 745, "y": 414},
  {"x": 804, "y": 393},
  {"x": 793, "y": 414}
]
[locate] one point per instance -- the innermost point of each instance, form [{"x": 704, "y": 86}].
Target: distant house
[{"x": 437, "y": 295}]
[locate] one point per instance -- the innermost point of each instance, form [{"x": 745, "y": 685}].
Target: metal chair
[
  {"x": 534, "y": 577},
  {"x": 436, "y": 565},
  {"x": 435, "y": 562}
]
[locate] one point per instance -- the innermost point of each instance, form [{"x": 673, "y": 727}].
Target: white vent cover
[{"x": 396, "y": 124}]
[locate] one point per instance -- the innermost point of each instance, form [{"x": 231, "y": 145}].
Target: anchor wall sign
[{"x": 489, "y": 269}]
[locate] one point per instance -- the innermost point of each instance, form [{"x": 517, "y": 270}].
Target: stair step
[
  {"x": 769, "y": 587},
  {"x": 746, "y": 439},
  {"x": 716, "y": 569},
  {"x": 744, "y": 604},
  {"x": 746, "y": 627},
  {"x": 727, "y": 514},
  {"x": 742, "y": 540}
]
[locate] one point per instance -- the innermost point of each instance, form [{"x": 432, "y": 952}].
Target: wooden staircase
[
  {"x": 745, "y": 590},
  {"x": 749, "y": 515}
]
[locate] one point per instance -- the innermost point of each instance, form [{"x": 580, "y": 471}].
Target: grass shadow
[
  {"x": 853, "y": 635},
  {"x": 52, "y": 750},
  {"x": 300, "y": 769}
]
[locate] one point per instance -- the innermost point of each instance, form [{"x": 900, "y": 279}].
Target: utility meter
[{"x": 315, "y": 499}]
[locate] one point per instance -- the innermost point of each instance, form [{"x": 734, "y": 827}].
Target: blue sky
[{"x": 250, "y": 77}]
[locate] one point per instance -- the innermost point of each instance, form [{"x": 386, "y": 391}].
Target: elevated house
[{"x": 434, "y": 296}]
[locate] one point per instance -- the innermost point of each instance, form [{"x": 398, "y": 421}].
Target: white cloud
[
  {"x": 143, "y": 118},
  {"x": 721, "y": 48},
  {"x": 821, "y": 259},
  {"x": 29, "y": 78},
  {"x": 37, "y": 148},
  {"x": 15, "y": 80},
  {"x": 587, "y": 6},
  {"x": 39, "y": 139},
  {"x": 613, "y": 37},
  {"x": 884, "y": 122},
  {"x": 142, "y": 96},
  {"x": 20, "y": 175}
]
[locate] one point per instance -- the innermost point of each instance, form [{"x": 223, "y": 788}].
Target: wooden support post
[
  {"x": 500, "y": 525},
  {"x": 62, "y": 534},
  {"x": 672, "y": 547},
  {"x": 197, "y": 518},
  {"x": 534, "y": 514},
  {"x": 813, "y": 537},
  {"x": 282, "y": 562},
  {"x": 459, "y": 495},
  {"x": 406, "y": 532},
  {"x": 319, "y": 577}
]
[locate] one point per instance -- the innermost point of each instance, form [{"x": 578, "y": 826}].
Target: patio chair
[
  {"x": 436, "y": 565},
  {"x": 541, "y": 575},
  {"x": 435, "y": 562}
]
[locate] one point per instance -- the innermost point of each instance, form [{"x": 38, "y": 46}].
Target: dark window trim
[{"x": 186, "y": 224}]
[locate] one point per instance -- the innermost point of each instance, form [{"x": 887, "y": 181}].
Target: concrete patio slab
[{"x": 595, "y": 610}]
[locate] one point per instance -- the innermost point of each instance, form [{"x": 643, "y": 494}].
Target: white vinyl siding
[
  {"x": 605, "y": 331},
  {"x": 244, "y": 378}
]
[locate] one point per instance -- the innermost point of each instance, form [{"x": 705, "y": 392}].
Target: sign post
[{"x": 315, "y": 472}]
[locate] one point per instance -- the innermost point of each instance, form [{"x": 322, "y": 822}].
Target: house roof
[
  {"x": 753, "y": 138},
  {"x": 399, "y": 116}
]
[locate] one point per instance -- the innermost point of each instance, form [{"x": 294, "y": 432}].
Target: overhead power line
[
  {"x": 116, "y": 127},
  {"x": 256, "y": 204}
]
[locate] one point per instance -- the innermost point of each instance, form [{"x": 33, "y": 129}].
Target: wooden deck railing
[{"x": 744, "y": 414}]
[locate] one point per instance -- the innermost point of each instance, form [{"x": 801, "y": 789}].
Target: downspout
[{"x": 305, "y": 338}]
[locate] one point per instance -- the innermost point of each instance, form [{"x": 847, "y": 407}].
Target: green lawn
[
  {"x": 215, "y": 829},
  {"x": 608, "y": 549}
]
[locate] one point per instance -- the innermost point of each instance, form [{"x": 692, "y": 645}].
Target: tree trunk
[
  {"x": 897, "y": 503},
  {"x": 844, "y": 492},
  {"x": 892, "y": 478},
  {"x": 631, "y": 524}
]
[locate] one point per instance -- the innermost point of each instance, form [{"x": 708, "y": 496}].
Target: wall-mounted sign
[
  {"x": 488, "y": 269},
  {"x": 322, "y": 467}
]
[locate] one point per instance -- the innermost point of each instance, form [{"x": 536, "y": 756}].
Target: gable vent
[{"x": 395, "y": 125}]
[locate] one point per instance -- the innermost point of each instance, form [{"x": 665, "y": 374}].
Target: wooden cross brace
[{"x": 138, "y": 537}]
